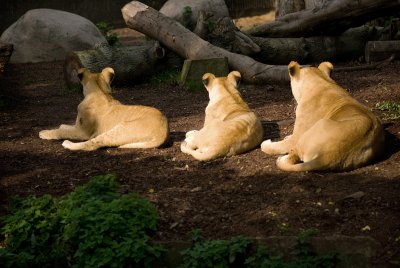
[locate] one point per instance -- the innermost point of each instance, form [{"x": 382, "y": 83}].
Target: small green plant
[
  {"x": 390, "y": 106},
  {"x": 304, "y": 256},
  {"x": 211, "y": 26},
  {"x": 187, "y": 17},
  {"x": 112, "y": 38},
  {"x": 94, "y": 226},
  {"x": 170, "y": 77},
  {"x": 214, "y": 253},
  {"x": 232, "y": 253}
]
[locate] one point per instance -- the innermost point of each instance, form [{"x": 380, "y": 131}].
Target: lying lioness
[
  {"x": 103, "y": 121},
  {"x": 230, "y": 126},
  {"x": 332, "y": 130}
]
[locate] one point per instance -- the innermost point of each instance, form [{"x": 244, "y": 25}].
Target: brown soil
[{"x": 244, "y": 194}]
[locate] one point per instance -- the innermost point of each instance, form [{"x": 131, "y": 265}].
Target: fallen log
[
  {"x": 379, "y": 50},
  {"x": 131, "y": 63},
  {"x": 188, "y": 45},
  {"x": 349, "y": 45},
  {"x": 330, "y": 18}
]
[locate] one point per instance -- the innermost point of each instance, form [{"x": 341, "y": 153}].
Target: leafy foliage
[
  {"x": 187, "y": 17},
  {"x": 232, "y": 253},
  {"x": 112, "y": 38},
  {"x": 94, "y": 226},
  {"x": 170, "y": 77},
  {"x": 214, "y": 253},
  {"x": 392, "y": 107},
  {"x": 304, "y": 257}
]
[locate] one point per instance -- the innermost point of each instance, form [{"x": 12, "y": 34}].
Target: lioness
[
  {"x": 230, "y": 126},
  {"x": 332, "y": 130},
  {"x": 103, "y": 121}
]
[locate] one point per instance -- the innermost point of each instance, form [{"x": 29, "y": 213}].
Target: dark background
[{"x": 110, "y": 10}]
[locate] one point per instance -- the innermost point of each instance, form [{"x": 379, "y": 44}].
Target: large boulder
[
  {"x": 177, "y": 10},
  {"x": 48, "y": 34}
]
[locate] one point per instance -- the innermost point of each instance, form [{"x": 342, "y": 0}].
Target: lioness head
[
  {"x": 95, "y": 81},
  {"x": 215, "y": 84},
  {"x": 300, "y": 77}
]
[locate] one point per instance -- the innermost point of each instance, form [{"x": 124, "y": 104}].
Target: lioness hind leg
[
  {"x": 114, "y": 137},
  {"x": 64, "y": 132},
  {"x": 143, "y": 145}
]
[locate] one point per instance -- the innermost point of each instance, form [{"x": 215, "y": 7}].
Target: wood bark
[
  {"x": 284, "y": 7},
  {"x": 5, "y": 54},
  {"x": 331, "y": 18},
  {"x": 188, "y": 45},
  {"x": 380, "y": 50},
  {"x": 349, "y": 45},
  {"x": 131, "y": 63},
  {"x": 224, "y": 34}
]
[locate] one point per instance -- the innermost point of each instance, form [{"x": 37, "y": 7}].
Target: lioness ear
[
  {"x": 234, "y": 77},
  {"x": 294, "y": 69},
  {"x": 80, "y": 73},
  {"x": 108, "y": 74},
  {"x": 326, "y": 67},
  {"x": 207, "y": 78}
]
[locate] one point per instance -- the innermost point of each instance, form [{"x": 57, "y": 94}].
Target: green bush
[
  {"x": 94, "y": 226},
  {"x": 233, "y": 253},
  {"x": 112, "y": 38},
  {"x": 214, "y": 253}
]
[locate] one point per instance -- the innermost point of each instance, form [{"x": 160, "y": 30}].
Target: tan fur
[
  {"x": 332, "y": 130},
  {"x": 230, "y": 126},
  {"x": 103, "y": 121}
]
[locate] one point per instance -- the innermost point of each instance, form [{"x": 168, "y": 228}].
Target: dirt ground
[{"x": 244, "y": 194}]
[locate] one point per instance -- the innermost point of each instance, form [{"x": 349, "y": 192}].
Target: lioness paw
[
  {"x": 46, "y": 134},
  {"x": 191, "y": 133},
  {"x": 265, "y": 146},
  {"x": 71, "y": 145}
]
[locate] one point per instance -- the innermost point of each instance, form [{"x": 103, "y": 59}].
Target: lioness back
[
  {"x": 332, "y": 130},
  {"x": 230, "y": 127},
  {"x": 103, "y": 121}
]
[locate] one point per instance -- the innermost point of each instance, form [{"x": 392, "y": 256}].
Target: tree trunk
[
  {"x": 189, "y": 46},
  {"x": 349, "y": 45},
  {"x": 284, "y": 7},
  {"x": 131, "y": 63},
  {"x": 5, "y": 54},
  {"x": 310, "y": 4},
  {"x": 224, "y": 34},
  {"x": 332, "y": 18},
  {"x": 380, "y": 50}
]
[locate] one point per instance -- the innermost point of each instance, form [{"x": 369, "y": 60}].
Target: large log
[
  {"x": 347, "y": 46},
  {"x": 131, "y": 63},
  {"x": 331, "y": 18},
  {"x": 380, "y": 50},
  {"x": 283, "y": 7},
  {"x": 188, "y": 45}
]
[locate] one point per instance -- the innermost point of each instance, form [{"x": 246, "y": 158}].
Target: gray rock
[{"x": 48, "y": 34}]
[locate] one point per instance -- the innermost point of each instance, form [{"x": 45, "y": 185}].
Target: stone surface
[
  {"x": 48, "y": 34},
  {"x": 193, "y": 71},
  {"x": 176, "y": 8}
]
